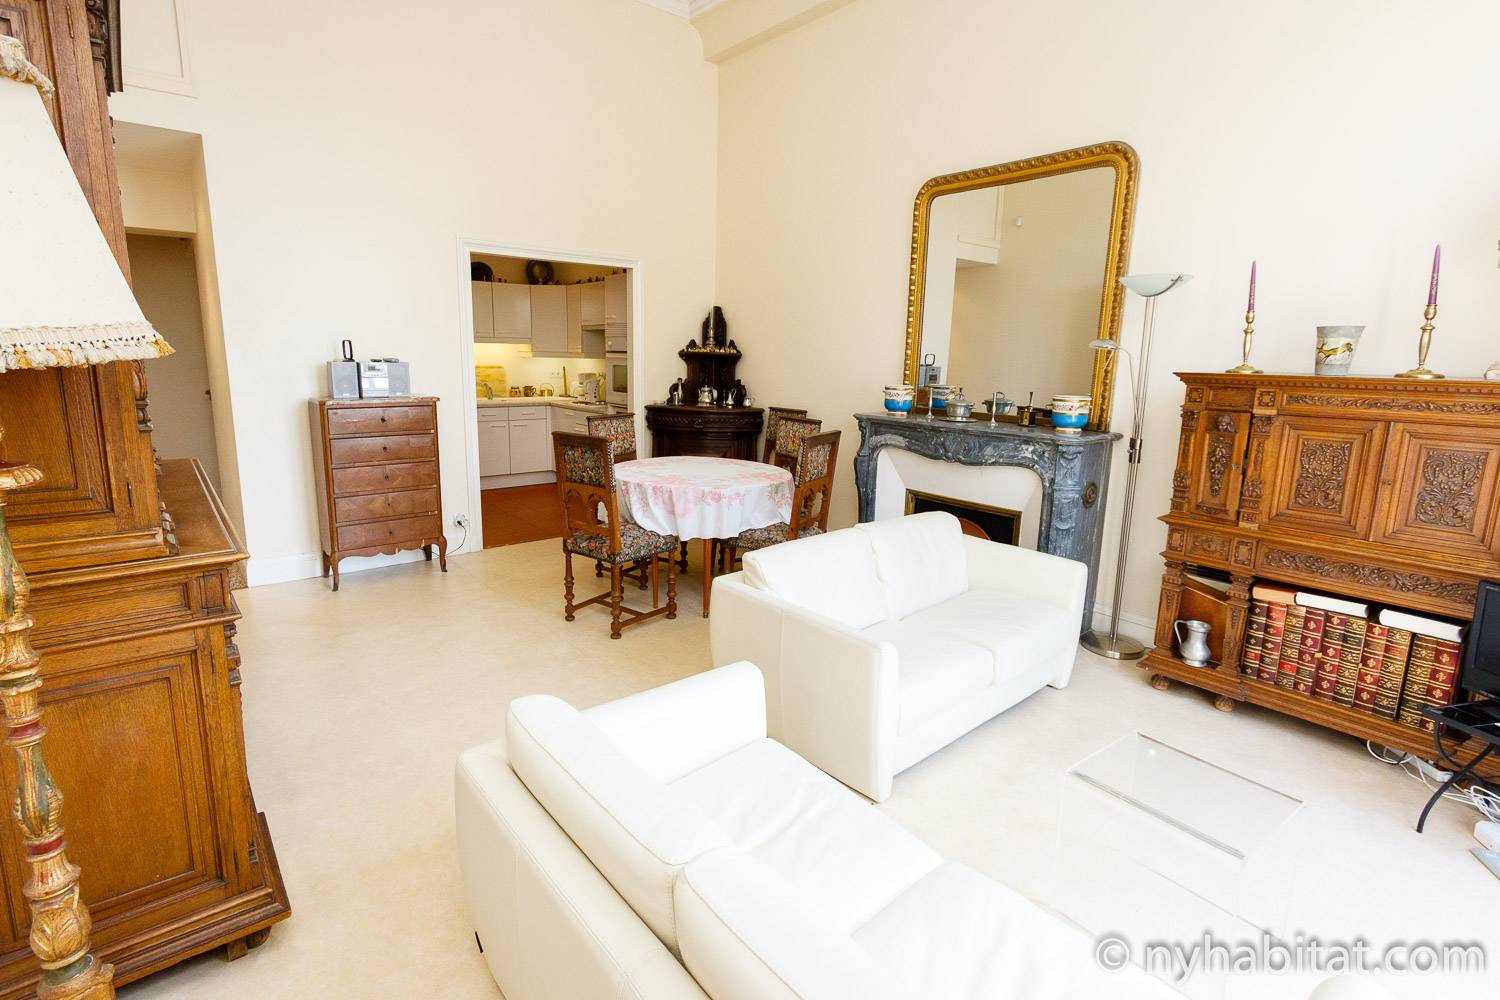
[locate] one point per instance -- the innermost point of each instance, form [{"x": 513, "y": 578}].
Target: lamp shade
[
  {"x": 63, "y": 300},
  {"x": 1151, "y": 285}
]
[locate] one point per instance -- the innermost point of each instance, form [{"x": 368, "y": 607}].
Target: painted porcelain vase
[
  {"x": 1070, "y": 414},
  {"x": 1336, "y": 349},
  {"x": 940, "y": 394},
  {"x": 898, "y": 398}
]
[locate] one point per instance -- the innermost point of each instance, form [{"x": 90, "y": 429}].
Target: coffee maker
[{"x": 588, "y": 386}]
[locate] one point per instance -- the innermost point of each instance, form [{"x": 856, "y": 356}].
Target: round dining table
[{"x": 693, "y": 496}]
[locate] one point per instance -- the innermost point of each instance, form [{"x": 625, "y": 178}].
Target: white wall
[
  {"x": 345, "y": 156},
  {"x": 1335, "y": 141}
]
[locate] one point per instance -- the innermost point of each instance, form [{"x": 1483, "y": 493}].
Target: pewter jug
[{"x": 1194, "y": 648}]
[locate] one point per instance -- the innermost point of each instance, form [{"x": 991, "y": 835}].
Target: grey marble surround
[{"x": 1073, "y": 468}]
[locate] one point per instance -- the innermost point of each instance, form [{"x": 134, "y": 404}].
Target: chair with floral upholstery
[
  {"x": 620, "y": 429},
  {"x": 774, "y": 416},
  {"x": 592, "y": 528},
  {"x": 816, "y": 460},
  {"x": 789, "y": 436}
]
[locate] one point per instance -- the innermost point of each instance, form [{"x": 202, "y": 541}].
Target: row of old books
[{"x": 1390, "y": 663}]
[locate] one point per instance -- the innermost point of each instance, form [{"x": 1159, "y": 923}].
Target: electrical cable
[{"x": 1482, "y": 799}]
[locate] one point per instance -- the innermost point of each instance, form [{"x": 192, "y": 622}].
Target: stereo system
[{"x": 378, "y": 378}]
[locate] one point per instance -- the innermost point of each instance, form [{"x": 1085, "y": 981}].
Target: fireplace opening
[{"x": 998, "y": 524}]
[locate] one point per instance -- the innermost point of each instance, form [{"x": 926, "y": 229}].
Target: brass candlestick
[
  {"x": 1245, "y": 367},
  {"x": 1424, "y": 344}
]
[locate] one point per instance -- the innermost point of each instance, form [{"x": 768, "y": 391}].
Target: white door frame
[{"x": 470, "y": 245}]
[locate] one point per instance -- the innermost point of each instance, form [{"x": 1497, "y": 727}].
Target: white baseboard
[
  {"x": 260, "y": 572},
  {"x": 518, "y": 479},
  {"x": 1134, "y": 626}
]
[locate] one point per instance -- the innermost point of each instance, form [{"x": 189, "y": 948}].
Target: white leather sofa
[
  {"x": 885, "y": 642},
  {"x": 662, "y": 847}
]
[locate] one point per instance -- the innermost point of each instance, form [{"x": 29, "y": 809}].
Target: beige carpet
[{"x": 356, "y": 704}]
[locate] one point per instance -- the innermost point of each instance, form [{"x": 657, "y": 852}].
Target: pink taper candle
[
  {"x": 1251, "y": 306},
  {"x": 1437, "y": 263}
]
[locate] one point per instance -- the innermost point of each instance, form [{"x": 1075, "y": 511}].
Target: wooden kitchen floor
[{"x": 520, "y": 514}]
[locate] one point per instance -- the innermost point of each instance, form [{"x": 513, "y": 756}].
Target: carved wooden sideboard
[
  {"x": 716, "y": 431},
  {"x": 1381, "y": 489}
]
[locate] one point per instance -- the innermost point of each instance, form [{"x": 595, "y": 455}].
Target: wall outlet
[{"x": 461, "y": 520}]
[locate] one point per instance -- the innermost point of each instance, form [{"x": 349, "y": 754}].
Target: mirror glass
[{"x": 1019, "y": 271}]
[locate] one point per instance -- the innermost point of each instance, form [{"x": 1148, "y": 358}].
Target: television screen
[{"x": 1482, "y": 652}]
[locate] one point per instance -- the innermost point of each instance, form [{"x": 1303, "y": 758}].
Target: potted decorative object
[
  {"x": 1336, "y": 346},
  {"x": 898, "y": 399},
  {"x": 1070, "y": 414}
]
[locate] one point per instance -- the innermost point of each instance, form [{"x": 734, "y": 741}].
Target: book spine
[
  {"x": 1270, "y": 657},
  {"x": 1329, "y": 655},
  {"x": 1291, "y": 645},
  {"x": 1443, "y": 681},
  {"x": 1392, "y": 672},
  {"x": 1414, "y": 690},
  {"x": 1354, "y": 646},
  {"x": 1368, "y": 681},
  {"x": 1314, "y": 622},
  {"x": 1255, "y": 639}
]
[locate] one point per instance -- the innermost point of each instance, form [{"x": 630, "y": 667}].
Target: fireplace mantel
[{"x": 1073, "y": 468}]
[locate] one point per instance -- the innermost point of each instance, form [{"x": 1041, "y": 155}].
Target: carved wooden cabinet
[
  {"x": 1381, "y": 489},
  {"x": 715, "y": 431}
]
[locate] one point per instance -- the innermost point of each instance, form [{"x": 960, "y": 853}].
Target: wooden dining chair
[
  {"x": 620, "y": 429},
  {"x": 593, "y": 528},
  {"x": 817, "y": 459},
  {"x": 774, "y": 416},
  {"x": 789, "y": 437}
]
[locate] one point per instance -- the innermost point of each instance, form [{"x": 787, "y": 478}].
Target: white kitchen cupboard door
[
  {"x": 494, "y": 445},
  {"x": 593, "y": 303},
  {"x": 614, "y": 300},
  {"x": 512, "y": 313},
  {"x": 484, "y": 310},
  {"x": 575, "y": 319},
  {"x": 549, "y": 319},
  {"x": 530, "y": 446}
]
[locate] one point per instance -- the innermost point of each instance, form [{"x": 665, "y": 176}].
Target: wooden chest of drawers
[{"x": 377, "y": 476}]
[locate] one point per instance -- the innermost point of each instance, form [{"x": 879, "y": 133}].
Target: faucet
[{"x": 489, "y": 390}]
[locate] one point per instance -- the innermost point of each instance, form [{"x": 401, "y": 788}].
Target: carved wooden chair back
[
  {"x": 586, "y": 483},
  {"x": 816, "y": 463},
  {"x": 774, "y": 416},
  {"x": 789, "y": 436},
  {"x": 619, "y": 428}
]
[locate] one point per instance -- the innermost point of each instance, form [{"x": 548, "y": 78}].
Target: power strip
[
  {"x": 1488, "y": 834},
  {"x": 1489, "y": 859},
  {"x": 1431, "y": 771}
]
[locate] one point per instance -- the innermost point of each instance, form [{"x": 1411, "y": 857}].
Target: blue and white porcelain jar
[
  {"x": 1070, "y": 414},
  {"x": 898, "y": 398}
]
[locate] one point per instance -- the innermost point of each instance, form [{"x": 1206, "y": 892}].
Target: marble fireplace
[{"x": 1057, "y": 482}]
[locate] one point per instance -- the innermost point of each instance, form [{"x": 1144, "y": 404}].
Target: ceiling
[{"x": 685, "y": 8}]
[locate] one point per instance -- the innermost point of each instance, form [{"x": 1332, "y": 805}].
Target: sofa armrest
[
  {"x": 840, "y": 700},
  {"x": 677, "y": 728},
  {"x": 1051, "y": 579},
  {"x": 746, "y": 625}
]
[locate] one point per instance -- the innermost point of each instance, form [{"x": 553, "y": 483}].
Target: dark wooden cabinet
[
  {"x": 377, "y": 478},
  {"x": 714, "y": 431},
  {"x": 1380, "y": 489}
]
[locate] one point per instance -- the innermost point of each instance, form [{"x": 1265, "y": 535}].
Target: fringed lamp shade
[{"x": 63, "y": 301}]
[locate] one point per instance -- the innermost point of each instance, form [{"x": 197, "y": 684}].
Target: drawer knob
[
  {"x": 385, "y": 447},
  {"x": 382, "y": 418},
  {"x": 387, "y": 475}
]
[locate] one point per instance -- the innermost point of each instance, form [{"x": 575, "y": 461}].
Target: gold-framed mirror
[{"x": 1018, "y": 266}]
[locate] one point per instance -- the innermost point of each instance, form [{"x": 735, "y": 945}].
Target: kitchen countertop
[{"x": 566, "y": 402}]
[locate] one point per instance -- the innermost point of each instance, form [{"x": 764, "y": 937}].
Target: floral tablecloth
[{"x": 694, "y": 497}]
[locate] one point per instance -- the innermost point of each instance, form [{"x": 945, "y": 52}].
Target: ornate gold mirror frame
[{"x": 1116, "y": 155}]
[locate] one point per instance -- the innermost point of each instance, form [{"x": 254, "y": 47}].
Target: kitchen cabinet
[
  {"x": 575, "y": 318},
  {"x": 512, "y": 313},
  {"x": 530, "y": 445},
  {"x": 484, "y": 309},
  {"x": 615, "y": 305},
  {"x": 494, "y": 442},
  {"x": 549, "y": 319},
  {"x": 591, "y": 301}
]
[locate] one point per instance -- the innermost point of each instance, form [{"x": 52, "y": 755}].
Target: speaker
[
  {"x": 343, "y": 379},
  {"x": 382, "y": 379}
]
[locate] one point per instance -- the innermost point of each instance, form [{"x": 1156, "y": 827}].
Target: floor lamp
[
  {"x": 63, "y": 304},
  {"x": 1150, "y": 287}
]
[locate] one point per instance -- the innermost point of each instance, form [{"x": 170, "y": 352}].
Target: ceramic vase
[
  {"x": 898, "y": 399},
  {"x": 940, "y": 394},
  {"x": 1070, "y": 414},
  {"x": 1336, "y": 349}
]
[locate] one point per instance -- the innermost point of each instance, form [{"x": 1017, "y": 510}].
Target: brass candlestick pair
[{"x": 1424, "y": 344}]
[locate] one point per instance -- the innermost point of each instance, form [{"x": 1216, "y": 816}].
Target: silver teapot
[
  {"x": 959, "y": 407},
  {"x": 708, "y": 396}
]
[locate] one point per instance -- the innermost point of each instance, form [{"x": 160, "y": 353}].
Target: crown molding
[{"x": 687, "y": 9}]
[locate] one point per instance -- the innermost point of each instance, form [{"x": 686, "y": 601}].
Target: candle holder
[
  {"x": 1424, "y": 344},
  {"x": 1245, "y": 367}
]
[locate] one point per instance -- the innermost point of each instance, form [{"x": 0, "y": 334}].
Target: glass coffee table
[{"x": 1155, "y": 844}]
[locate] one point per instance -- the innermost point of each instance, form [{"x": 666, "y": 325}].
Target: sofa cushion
[
  {"x": 920, "y": 558},
  {"x": 1019, "y": 633},
  {"x": 962, "y": 935},
  {"x": 937, "y": 669},
  {"x": 848, "y": 857},
  {"x": 832, "y": 574},
  {"x": 748, "y": 934},
  {"x": 637, "y": 831}
]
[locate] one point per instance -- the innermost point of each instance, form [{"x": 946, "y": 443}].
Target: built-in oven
[{"x": 617, "y": 379}]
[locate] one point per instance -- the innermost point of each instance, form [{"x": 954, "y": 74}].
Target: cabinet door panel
[
  {"x": 484, "y": 309},
  {"x": 494, "y": 447},
  {"x": 529, "y": 446},
  {"x": 1323, "y": 474},
  {"x": 1439, "y": 490},
  {"x": 549, "y": 319},
  {"x": 512, "y": 313},
  {"x": 1219, "y": 448}
]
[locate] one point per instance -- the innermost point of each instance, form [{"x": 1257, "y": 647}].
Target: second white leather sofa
[{"x": 882, "y": 643}]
